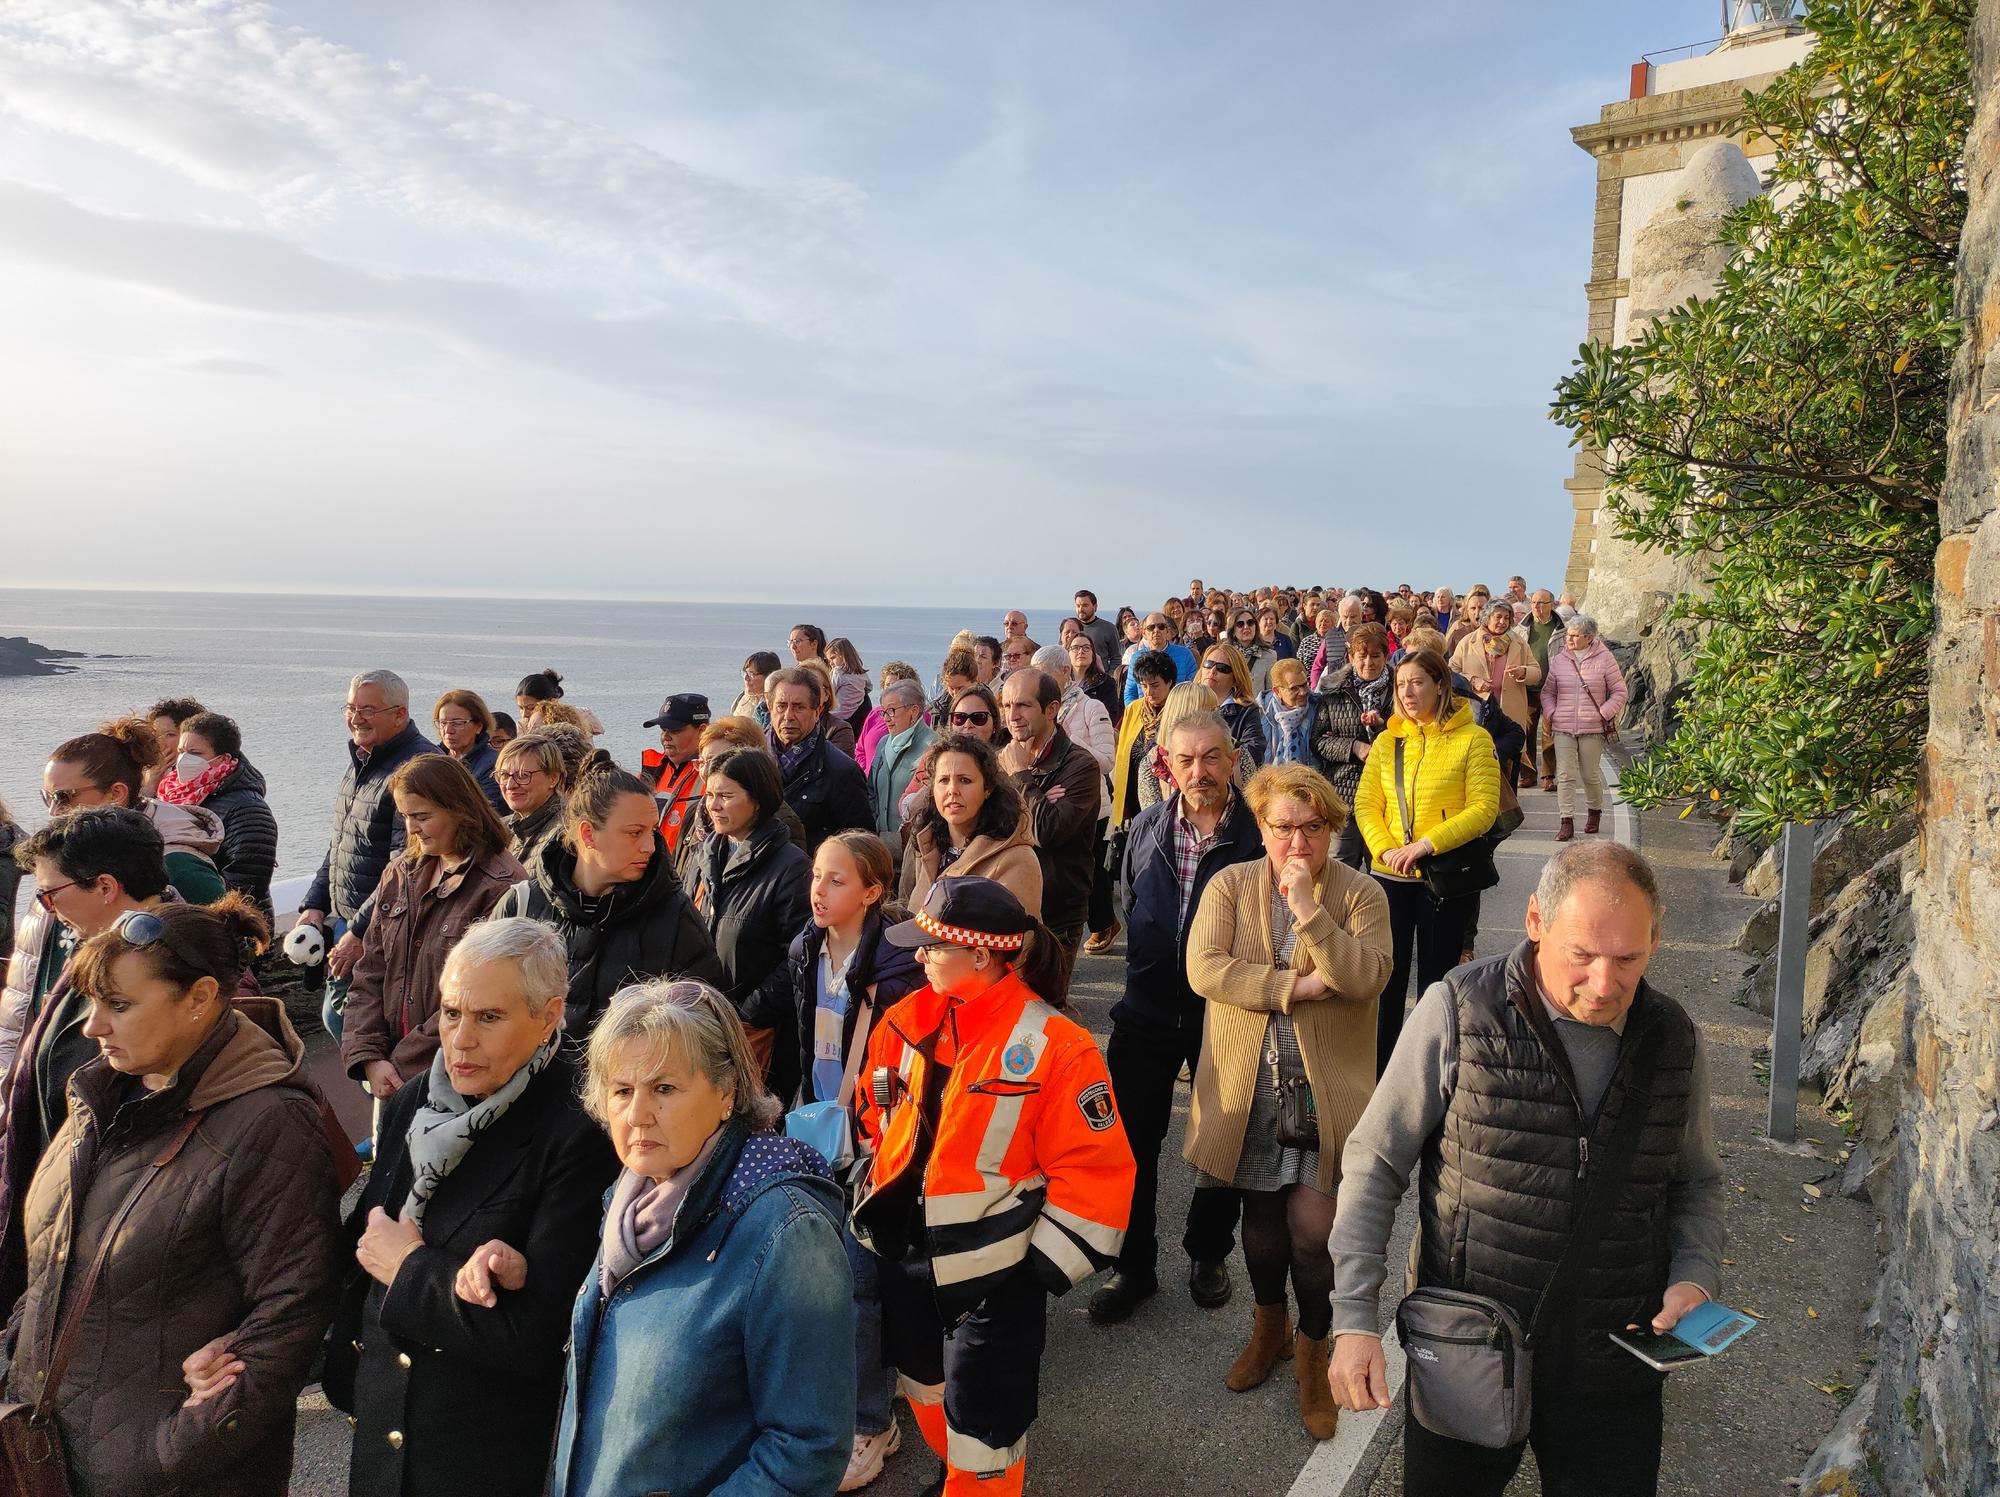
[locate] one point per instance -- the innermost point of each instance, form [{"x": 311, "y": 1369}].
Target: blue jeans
[
  {"x": 872, "y": 1382},
  {"x": 334, "y": 1004}
]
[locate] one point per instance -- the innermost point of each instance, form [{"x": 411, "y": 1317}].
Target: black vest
[{"x": 1501, "y": 1178}]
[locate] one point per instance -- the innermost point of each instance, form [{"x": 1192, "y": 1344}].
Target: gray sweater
[{"x": 1407, "y": 1111}]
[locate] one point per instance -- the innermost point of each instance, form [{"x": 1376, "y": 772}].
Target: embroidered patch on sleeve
[{"x": 1094, "y": 1102}]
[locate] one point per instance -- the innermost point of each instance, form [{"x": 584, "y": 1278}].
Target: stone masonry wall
[{"x": 1937, "y": 1414}]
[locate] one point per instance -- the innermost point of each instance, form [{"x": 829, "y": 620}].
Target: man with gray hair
[
  {"x": 367, "y": 832},
  {"x": 1554, "y": 1108},
  {"x": 906, "y": 738}
]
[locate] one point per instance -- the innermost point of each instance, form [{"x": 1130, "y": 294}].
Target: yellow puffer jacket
[{"x": 1450, "y": 777}]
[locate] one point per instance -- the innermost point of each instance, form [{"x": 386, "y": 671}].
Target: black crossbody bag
[
  {"x": 1448, "y": 875},
  {"x": 1470, "y": 1359}
]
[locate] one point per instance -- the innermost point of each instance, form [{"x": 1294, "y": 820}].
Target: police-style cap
[
  {"x": 965, "y": 910},
  {"x": 684, "y": 709}
]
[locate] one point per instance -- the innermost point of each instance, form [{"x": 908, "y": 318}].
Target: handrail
[{"x": 1692, "y": 49}]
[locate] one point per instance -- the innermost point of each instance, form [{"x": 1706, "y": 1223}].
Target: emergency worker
[
  {"x": 673, "y": 766},
  {"x": 1000, "y": 1175}
]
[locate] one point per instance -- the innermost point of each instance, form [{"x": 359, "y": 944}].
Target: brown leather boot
[
  {"x": 1270, "y": 1341},
  {"x": 1593, "y": 821},
  {"x": 1567, "y": 830},
  {"x": 1317, "y": 1410}
]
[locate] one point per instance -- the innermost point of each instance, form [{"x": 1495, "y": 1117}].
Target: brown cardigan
[{"x": 1230, "y": 963}]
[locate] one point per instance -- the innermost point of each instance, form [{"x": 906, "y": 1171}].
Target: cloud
[
  {"x": 220, "y": 92},
  {"x": 220, "y": 363}
]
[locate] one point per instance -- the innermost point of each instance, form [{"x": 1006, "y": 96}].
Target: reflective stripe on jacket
[{"x": 1030, "y": 1163}]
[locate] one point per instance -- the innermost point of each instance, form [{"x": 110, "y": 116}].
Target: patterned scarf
[
  {"x": 176, "y": 791},
  {"x": 447, "y": 1125},
  {"x": 1292, "y": 742}
]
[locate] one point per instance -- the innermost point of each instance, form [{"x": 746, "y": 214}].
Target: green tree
[{"x": 1788, "y": 432}]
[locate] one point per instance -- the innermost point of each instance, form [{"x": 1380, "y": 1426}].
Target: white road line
[
  {"x": 1334, "y": 1463},
  {"x": 1624, "y": 825}
]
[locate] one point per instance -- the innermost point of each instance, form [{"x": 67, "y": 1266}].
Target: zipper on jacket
[{"x": 1583, "y": 1157}]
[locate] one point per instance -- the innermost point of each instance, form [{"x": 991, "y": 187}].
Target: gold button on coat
[
  {"x": 395, "y": 1439},
  {"x": 403, "y": 1360}
]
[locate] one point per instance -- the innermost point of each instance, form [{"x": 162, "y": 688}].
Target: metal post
[{"x": 1794, "y": 918}]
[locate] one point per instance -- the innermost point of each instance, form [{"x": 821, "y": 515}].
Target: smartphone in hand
[{"x": 1702, "y": 1332}]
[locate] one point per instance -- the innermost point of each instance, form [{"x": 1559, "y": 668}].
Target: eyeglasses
[
  {"x": 62, "y": 800},
  {"x": 1284, "y": 831},
  {"x": 517, "y": 776},
  {"x": 971, "y": 719},
  {"x": 366, "y": 714},
  {"x": 453, "y": 722},
  {"x": 46, "y": 898},
  {"x": 1157, "y": 628}
]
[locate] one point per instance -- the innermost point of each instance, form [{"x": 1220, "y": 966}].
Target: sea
[{"x": 279, "y": 665}]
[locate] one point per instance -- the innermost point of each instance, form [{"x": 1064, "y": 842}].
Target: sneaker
[{"x": 870, "y": 1451}]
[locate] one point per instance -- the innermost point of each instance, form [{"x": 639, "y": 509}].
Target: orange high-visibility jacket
[
  {"x": 676, "y": 791},
  {"x": 1030, "y": 1163}
]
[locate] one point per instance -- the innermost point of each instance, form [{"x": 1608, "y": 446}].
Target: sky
[{"x": 874, "y": 302}]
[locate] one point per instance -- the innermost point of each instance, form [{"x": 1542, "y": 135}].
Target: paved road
[{"x": 1140, "y": 1409}]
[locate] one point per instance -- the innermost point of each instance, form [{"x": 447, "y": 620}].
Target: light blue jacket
[
  {"x": 889, "y": 775},
  {"x": 724, "y": 1363}
]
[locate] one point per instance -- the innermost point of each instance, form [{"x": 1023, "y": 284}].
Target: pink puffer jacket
[{"x": 1574, "y": 680}]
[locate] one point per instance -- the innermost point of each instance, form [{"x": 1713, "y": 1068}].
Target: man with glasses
[
  {"x": 367, "y": 833},
  {"x": 1157, "y": 633},
  {"x": 1062, "y": 786},
  {"x": 905, "y": 740},
  {"x": 91, "y": 868},
  {"x": 1173, "y": 850}
]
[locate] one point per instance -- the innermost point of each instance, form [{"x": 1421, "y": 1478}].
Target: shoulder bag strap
[
  {"x": 1402, "y": 801},
  {"x": 73, "y": 1322},
  {"x": 1577, "y": 666},
  {"x": 1603, "y": 1190},
  {"x": 857, "y": 1047}
]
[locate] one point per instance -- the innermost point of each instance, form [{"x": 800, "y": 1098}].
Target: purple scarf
[{"x": 641, "y": 1215}]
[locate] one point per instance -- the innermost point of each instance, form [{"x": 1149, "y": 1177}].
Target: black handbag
[
  {"x": 1455, "y": 874},
  {"x": 1298, "y": 1115}
]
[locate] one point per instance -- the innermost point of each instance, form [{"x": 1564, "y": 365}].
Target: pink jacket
[{"x": 1573, "y": 681}]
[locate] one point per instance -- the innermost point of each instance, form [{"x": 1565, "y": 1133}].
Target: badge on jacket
[
  {"x": 1019, "y": 1059},
  {"x": 1094, "y": 1102}
]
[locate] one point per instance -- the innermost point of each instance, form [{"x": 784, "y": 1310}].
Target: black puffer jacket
[
  {"x": 828, "y": 790},
  {"x": 753, "y": 899},
  {"x": 367, "y": 832},
  {"x": 638, "y": 930},
  {"x": 249, "y": 854}
]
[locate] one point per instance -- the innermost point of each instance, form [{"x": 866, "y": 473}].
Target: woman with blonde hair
[
  {"x": 568, "y": 715},
  {"x": 454, "y": 870},
  {"x": 1290, "y": 951},
  {"x": 1225, "y": 672},
  {"x": 532, "y": 772}
]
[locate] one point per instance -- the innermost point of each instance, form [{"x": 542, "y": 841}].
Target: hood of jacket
[
  {"x": 729, "y": 860},
  {"x": 252, "y": 1046},
  {"x": 186, "y": 828},
  {"x": 245, "y": 777},
  {"x": 743, "y": 1167},
  {"x": 555, "y": 871}
]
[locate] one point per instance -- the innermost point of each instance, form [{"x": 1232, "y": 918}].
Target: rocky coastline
[{"x": 23, "y": 657}]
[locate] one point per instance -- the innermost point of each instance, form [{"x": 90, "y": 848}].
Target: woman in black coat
[
  {"x": 750, "y": 890},
  {"x": 471, "y": 1238},
  {"x": 249, "y": 853},
  {"x": 607, "y": 885}
]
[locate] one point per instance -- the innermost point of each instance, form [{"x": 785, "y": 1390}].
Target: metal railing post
[{"x": 1787, "y": 1011}]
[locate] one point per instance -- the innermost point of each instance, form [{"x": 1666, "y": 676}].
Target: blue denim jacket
[{"x": 725, "y": 1362}]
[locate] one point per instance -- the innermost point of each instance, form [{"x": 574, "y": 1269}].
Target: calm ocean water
[{"x": 280, "y": 665}]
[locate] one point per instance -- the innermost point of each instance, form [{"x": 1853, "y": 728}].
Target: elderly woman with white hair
[
  {"x": 712, "y": 1348},
  {"x": 1581, "y": 699},
  {"x": 476, "y": 1226}
]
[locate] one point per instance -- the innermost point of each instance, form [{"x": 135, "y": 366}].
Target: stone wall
[{"x": 1936, "y": 1413}]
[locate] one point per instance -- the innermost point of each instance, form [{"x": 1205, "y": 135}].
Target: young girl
[{"x": 847, "y": 976}]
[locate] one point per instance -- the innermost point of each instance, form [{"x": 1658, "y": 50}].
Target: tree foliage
[{"x": 1788, "y": 432}]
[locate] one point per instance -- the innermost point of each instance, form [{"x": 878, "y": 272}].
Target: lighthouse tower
[{"x": 1679, "y": 100}]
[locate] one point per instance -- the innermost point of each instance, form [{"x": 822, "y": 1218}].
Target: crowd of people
[{"x": 724, "y": 1095}]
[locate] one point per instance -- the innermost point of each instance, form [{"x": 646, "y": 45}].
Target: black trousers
[
  {"x": 1103, "y": 911},
  {"x": 1428, "y": 936},
  {"x": 1145, "y": 1065},
  {"x": 1586, "y": 1445},
  {"x": 1352, "y": 849},
  {"x": 990, "y": 1364}
]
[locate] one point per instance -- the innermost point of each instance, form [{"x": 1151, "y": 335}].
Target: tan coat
[
  {"x": 1471, "y": 661},
  {"x": 1231, "y": 964},
  {"x": 1011, "y": 863}
]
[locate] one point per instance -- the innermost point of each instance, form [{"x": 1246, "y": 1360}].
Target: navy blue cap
[{"x": 684, "y": 709}]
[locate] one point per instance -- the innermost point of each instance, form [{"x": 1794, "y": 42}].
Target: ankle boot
[
  {"x": 1270, "y": 1340},
  {"x": 1317, "y": 1410},
  {"x": 1591, "y": 822},
  {"x": 1567, "y": 830}
]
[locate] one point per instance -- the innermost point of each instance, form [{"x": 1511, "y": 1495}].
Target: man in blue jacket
[
  {"x": 1159, "y": 635},
  {"x": 1173, "y": 850},
  {"x": 367, "y": 832}
]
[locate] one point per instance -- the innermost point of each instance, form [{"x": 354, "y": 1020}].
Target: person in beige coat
[
  {"x": 971, "y": 820},
  {"x": 1291, "y": 952},
  {"x": 1494, "y": 654}
]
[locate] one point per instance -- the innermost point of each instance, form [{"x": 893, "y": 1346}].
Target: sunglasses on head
[
  {"x": 977, "y": 719},
  {"x": 144, "y": 928}
]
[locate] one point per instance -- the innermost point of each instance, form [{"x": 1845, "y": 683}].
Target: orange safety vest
[
  {"x": 676, "y": 791},
  {"x": 1030, "y": 1162}
]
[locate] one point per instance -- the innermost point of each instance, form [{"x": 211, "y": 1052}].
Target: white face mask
[{"x": 187, "y": 766}]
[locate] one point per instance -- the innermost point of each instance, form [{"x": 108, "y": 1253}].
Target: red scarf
[{"x": 193, "y": 792}]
